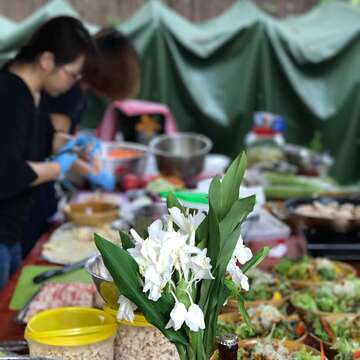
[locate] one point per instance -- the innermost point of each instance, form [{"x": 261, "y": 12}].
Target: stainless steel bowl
[
  {"x": 180, "y": 155},
  {"x": 127, "y": 165},
  {"x": 103, "y": 281},
  {"x": 148, "y": 214}
]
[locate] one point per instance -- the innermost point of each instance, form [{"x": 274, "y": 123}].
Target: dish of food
[
  {"x": 332, "y": 210},
  {"x": 340, "y": 334},
  {"x": 123, "y": 153},
  {"x": 336, "y": 214},
  {"x": 264, "y": 288},
  {"x": 92, "y": 213},
  {"x": 72, "y": 243},
  {"x": 271, "y": 350},
  {"x": 266, "y": 320},
  {"x": 267, "y": 349},
  {"x": 55, "y": 295},
  {"x": 307, "y": 271},
  {"x": 332, "y": 297}
]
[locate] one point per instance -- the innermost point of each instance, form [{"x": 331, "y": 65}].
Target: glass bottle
[{"x": 227, "y": 346}]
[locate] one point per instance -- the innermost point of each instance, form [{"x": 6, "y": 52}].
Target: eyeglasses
[{"x": 75, "y": 77}]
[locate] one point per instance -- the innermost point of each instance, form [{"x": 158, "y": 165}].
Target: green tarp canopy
[{"x": 214, "y": 75}]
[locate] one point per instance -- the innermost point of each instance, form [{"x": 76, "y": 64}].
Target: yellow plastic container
[
  {"x": 141, "y": 340},
  {"x": 72, "y": 333}
]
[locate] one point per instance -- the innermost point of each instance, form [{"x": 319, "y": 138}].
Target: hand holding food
[{"x": 65, "y": 161}]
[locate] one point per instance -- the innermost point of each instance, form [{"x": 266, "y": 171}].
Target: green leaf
[
  {"x": 231, "y": 184},
  {"x": 202, "y": 234},
  {"x": 213, "y": 246},
  {"x": 227, "y": 250},
  {"x": 256, "y": 259},
  {"x": 172, "y": 201},
  {"x": 126, "y": 240},
  {"x": 239, "y": 211},
  {"x": 125, "y": 272},
  {"x": 215, "y": 196}
]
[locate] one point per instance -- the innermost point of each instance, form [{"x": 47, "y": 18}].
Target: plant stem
[{"x": 190, "y": 352}]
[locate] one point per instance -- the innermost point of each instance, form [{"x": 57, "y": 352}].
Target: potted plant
[{"x": 183, "y": 272}]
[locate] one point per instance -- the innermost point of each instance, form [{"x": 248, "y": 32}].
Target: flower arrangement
[{"x": 183, "y": 272}]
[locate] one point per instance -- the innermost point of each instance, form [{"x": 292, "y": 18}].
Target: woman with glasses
[
  {"x": 114, "y": 73},
  {"x": 51, "y": 61}
]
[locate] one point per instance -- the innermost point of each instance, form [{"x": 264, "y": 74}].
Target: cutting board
[{"x": 26, "y": 289}]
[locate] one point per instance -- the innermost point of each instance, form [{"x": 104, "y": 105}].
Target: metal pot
[
  {"x": 180, "y": 155},
  {"x": 148, "y": 214}
]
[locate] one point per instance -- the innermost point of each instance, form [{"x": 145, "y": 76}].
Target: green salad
[
  {"x": 336, "y": 297},
  {"x": 265, "y": 286},
  {"x": 343, "y": 334},
  {"x": 269, "y": 350},
  {"x": 346, "y": 349},
  {"x": 311, "y": 269},
  {"x": 265, "y": 320}
]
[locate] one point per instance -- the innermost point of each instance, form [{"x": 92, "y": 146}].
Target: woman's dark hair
[
  {"x": 64, "y": 36},
  {"x": 115, "y": 71}
]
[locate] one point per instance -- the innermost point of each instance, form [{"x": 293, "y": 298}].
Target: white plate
[{"x": 70, "y": 243}]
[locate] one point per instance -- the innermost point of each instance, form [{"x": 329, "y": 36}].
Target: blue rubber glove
[
  {"x": 84, "y": 140},
  {"x": 67, "y": 147},
  {"x": 103, "y": 179},
  {"x": 95, "y": 149},
  {"x": 65, "y": 161}
]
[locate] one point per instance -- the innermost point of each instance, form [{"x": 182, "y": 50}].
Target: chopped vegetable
[
  {"x": 336, "y": 297},
  {"x": 265, "y": 320},
  {"x": 269, "y": 350},
  {"x": 311, "y": 269}
]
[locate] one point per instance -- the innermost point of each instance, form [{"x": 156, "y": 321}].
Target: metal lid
[{"x": 227, "y": 340}]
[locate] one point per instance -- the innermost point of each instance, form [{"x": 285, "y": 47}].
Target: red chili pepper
[
  {"x": 300, "y": 329},
  {"x": 356, "y": 355},
  {"x": 322, "y": 357},
  {"x": 327, "y": 329}
]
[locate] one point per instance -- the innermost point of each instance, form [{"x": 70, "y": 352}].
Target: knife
[
  {"x": 56, "y": 272},
  {"x": 14, "y": 346}
]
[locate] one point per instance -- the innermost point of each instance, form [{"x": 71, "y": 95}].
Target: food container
[
  {"x": 308, "y": 314},
  {"x": 141, "y": 341},
  {"x": 180, "y": 155},
  {"x": 122, "y": 158},
  {"x": 266, "y": 230},
  {"x": 292, "y": 346},
  {"x": 320, "y": 219},
  {"x": 92, "y": 212},
  {"x": 72, "y": 333},
  {"x": 344, "y": 271},
  {"x": 330, "y": 352},
  {"x": 235, "y": 317},
  {"x": 147, "y": 215}
]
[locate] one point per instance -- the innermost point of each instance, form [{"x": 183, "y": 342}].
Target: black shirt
[
  {"x": 18, "y": 139},
  {"x": 71, "y": 104}
]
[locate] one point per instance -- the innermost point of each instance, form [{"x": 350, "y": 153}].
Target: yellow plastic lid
[
  {"x": 139, "y": 318},
  {"x": 70, "y": 326}
]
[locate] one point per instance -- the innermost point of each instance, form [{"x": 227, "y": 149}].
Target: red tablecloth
[{"x": 8, "y": 329}]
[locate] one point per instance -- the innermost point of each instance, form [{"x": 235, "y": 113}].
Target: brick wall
[{"x": 104, "y": 11}]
